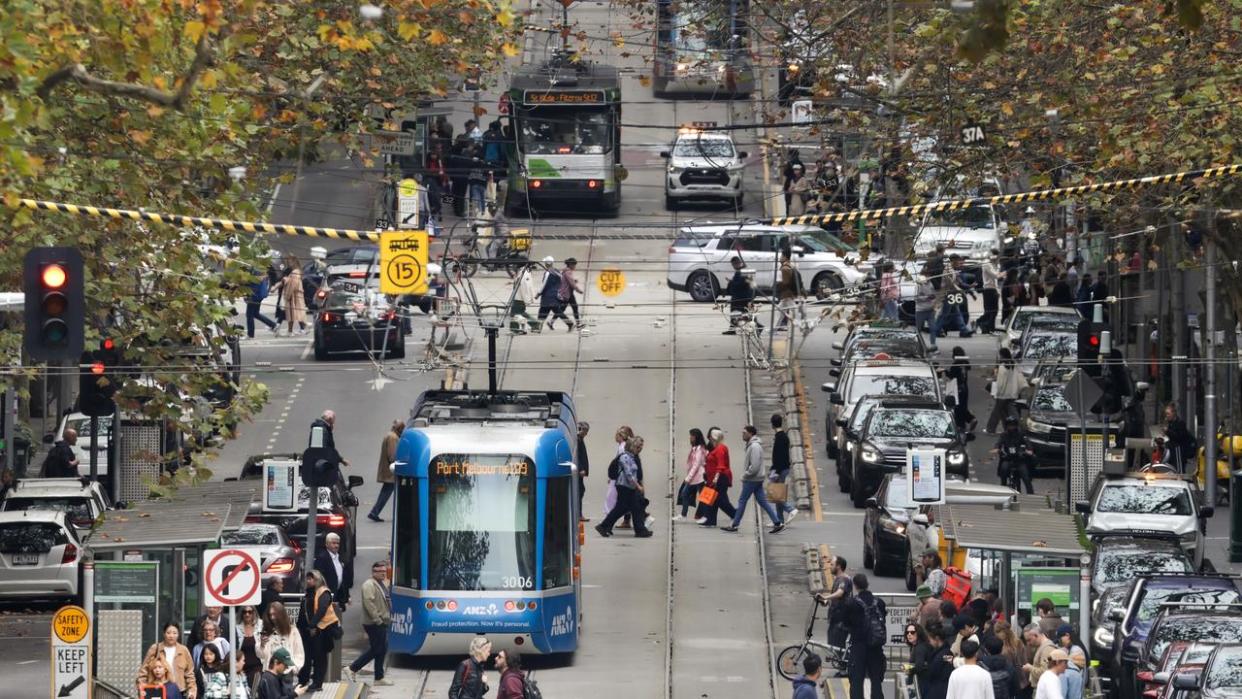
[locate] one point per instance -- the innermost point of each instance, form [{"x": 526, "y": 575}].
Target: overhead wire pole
[{"x": 1209, "y": 379}]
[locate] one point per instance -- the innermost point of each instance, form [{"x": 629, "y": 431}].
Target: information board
[
  {"x": 1061, "y": 585},
  {"x": 126, "y": 581},
  {"x": 280, "y": 486},
  {"x": 925, "y": 475}
]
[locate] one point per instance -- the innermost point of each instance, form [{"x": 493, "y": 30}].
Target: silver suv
[
  {"x": 1152, "y": 500},
  {"x": 703, "y": 165}
]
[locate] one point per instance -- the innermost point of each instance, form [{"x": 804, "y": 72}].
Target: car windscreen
[
  {"x": 691, "y": 147},
  {"x": 898, "y": 497},
  {"x": 1155, "y": 596},
  {"x": 482, "y": 522},
  {"x": 871, "y": 346},
  {"x": 1209, "y": 628},
  {"x": 1051, "y": 399},
  {"x": 78, "y": 509},
  {"x": 970, "y": 217},
  {"x": 82, "y": 425},
  {"x": 1043, "y": 346},
  {"x": 888, "y": 385},
  {"x": 862, "y": 411},
  {"x": 1115, "y": 565},
  {"x": 1142, "y": 499},
  {"x": 824, "y": 241},
  {"x": 31, "y": 537},
  {"x": 914, "y": 424},
  {"x": 251, "y": 536},
  {"x": 1225, "y": 672},
  {"x": 1021, "y": 320}
]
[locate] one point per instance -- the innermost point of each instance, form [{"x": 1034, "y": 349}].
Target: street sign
[
  {"x": 1082, "y": 392},
  {"x": 802, "y": 112},
  {"x": 393, "y": 142},
  {"x": 611, "y": 282},
  {"x": 127, "y": 582},
  {"x": 925, "y": 474},
  {"x": 403, "y": 262},
  {"x": 71, "y": 653},
  {"x": 972, "y": 134},
  {"x": 280, "y": 486},
  {"x": 407, "y": 204},
  {"x": 232, "y": 577}
]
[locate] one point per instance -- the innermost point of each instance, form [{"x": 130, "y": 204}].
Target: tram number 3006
[{"x": 517, "y": 582}]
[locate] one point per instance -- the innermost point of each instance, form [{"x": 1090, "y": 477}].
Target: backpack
[
  {"x": 614, "y": 468},
  {"x": 1001, "y": 683},
  {"x": 530, "y": 690},
  {"x": 877, "y": 630}
]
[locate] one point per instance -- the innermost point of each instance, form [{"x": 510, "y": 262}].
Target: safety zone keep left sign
[
  {"x": 71, "y": 653},
  {"x": 403, "y": 262},
  {"x": 232, "y": 577}
]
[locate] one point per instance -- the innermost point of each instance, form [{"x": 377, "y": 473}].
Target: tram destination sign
[{"x": 564, "y": 97}]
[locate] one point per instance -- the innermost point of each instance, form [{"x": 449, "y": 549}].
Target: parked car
[
  {"x": 1023, "y": 315},
  {"x": 1147, "y": 501},
  {"x": 891, "y": 430},
  {"x": 357, "y": 319},
  {"x": 1197, "y": 623},
  {"x": 1221, "y": 676},
  {"x": 876, "y": 377},
  {"x": 1119, "y": 558},
  {"x": 877, "y": 337},
  {"x": 1045, "y": 347},
  {"x": 1049, "y": 416},
  {"x": 972, "y": 232},
  {"x": 699, "y": 260},
  {"x": 1180, "y": 657},
  {"x": 281, "y": 555},
  {"x": 338, "y": 509},
  {"x": 1041, "y": 324},
  {"x": 40, "y": 555},
  {"x": 848, "y": 433},
  {"x": 82, "y": 501}
]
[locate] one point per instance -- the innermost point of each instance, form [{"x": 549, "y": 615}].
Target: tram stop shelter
[
  {"x": 147, "y": 568},
  {"x": 1027, "y": 550}
]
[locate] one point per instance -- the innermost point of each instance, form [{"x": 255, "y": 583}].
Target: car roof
[
  {"x": 911, "y": 402},
  {"x": 1167, "y": 480},
  {"x": 709, "y": 230},
  {"x": 896, "y": 367},
  {"x": 56, "y": 487},
  {"x": 52, "y": 516},
  {"x": 1050, "y": 310}
]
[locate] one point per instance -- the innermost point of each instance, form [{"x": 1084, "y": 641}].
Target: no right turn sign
[{"x": 232, "y": 577}]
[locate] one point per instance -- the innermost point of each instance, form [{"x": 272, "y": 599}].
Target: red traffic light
[
  {"x": 108, "y": 344},
  {"x": 54, "y": 276},
  {"x": 97, "y": 368},
  {"x": 1094, "y": 340}
]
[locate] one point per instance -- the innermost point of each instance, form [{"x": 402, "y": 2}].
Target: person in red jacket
[
  {"x": 512, "y": 681},
  {"x": 719, "y": 477}
]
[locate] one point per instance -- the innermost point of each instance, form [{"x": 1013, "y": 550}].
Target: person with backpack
[
  {"x": 804, "y": 686},
  {"x": 969, "y": 680},
  {"x": 1006, "y": 681},
  {"x": 470, "y": 679},
  {"x": 513, "y": 684},
  {"x": 258, "y": 292},
  {"x": 868, "y": 632},
  {"x": 1015, "y": 456}
]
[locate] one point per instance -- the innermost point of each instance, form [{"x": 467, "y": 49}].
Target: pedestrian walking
[
  {"x": 741, "y": 294},
  {"x": 476, "y": 183},
  {"x": 337, "y": 574},
  {"x": 890, "y": 293},
  {"x": 1179, "y": 440},
  {"x": 384, "y": 474},
  {"x": 470, "y": 677},
  {"x": 841, "y": 592},
  {"x": 692, "y": 481},
  {"x": 718, "y": 476},
  {"x": 797, "y": 191},
  {"x": 958, "y": 377},
  {"x": 805, "y": 685},
  {"x": 629, "y": 493},
  {"x": 246, "y": 643},
  {"x": 61, "y": 462},
  {"x": 780, "y": 467},
  {"x": 991, "y": 294},
  {"x": 865, "y": 616},
  {"x": 293, "y": 296},
  {"x": 512, "y": 684},
  {"x": 584, "y": 466},
  {"x": 320, "y": 629},
  {"x": 155, "y": 680},
  {"x": 259, "y": 290},
  {"x": 1014, "y": 455},
  {"x": 323, "y": 428},
  {"x": 754, "y": 476},
  {"x": 1007, "y": 386},
  {"x": 1082, "y": 297},
  {"x": 272, "y": 684},
  {"x": 523, "y": 295},
  {"x": 787, "y": 288},
  {"x": 1004, "y": 674},
  {"x": 376, "y": 616},
  {"x": 792, "y": 160},
  {"x": 970, "y": 680},
  {"x": 924, "y": 303},
  {"x": 278, "y": 637},
  {"x": 621, "y": 437},
  {"x": 176, "y": 659},
  {"x": 1049, "y": 684},
  {"x": 569, "y": 290},
  {"x": 549, "y": 297}
]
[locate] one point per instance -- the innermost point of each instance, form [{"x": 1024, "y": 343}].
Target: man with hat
[
  {"x": 1049, "y": 685},
  {"x": 928, "y": 611},
  {"x": 271, "y": 683}
]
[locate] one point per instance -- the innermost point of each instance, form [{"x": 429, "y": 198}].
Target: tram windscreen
[
  {"x": 482, "y": 522},
  {"x": 566, "y": 131}
]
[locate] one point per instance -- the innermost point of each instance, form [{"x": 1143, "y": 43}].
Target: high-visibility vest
[{"x": 957, "y": 586}]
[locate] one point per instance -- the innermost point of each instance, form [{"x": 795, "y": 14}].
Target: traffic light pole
[
  {"x": 94, "y": 454},
  {"x": 1209, "y": 375}
]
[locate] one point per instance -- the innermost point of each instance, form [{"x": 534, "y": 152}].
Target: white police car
[{"x": 703, "y": 165}]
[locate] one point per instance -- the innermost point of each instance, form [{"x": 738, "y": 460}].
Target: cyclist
[{"x": 1015, "y": 454}]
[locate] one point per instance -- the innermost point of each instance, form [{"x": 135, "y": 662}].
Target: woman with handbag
[
  {"x": 1006, "y": 388},
  {"x": 696, "y": 462},
  {"x": 320, "y": 628},
  {"x": 717, "y": 476}
]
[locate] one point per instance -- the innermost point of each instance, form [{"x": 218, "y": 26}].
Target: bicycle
[{"x": 789, "y": 661}]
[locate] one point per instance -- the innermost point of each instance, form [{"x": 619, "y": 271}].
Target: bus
[
  {"x": 486, "y": 535},
  {"x": 701, "y": 49},
  {"x": 566, "y": 121}
]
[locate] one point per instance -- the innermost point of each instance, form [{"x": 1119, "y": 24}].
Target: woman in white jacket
[
  {"x": 277, "y": 631},
  {"x": 1006, "y": 388}
]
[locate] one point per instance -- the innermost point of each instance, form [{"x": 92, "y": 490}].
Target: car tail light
[
  {"x": 321, "y": 294},
  {"x": 536, "y": 183},
  {"x": 70, "y": 555},
  {"x": 281, "y": 565},
  {"x": 330, "y": 520},
  {"x": 253, "y": 518},
  {"x": 391, "y": 314},
  {"x": 357, "y": 275},
  {"x": 330, "y": 317},
  {"x": 592, "y": 184},
  {"x": 293, "y": 544}
]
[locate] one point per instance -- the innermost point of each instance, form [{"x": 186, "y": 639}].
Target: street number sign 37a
[
  {"x": 403, "y": 262},
  {"x": 233, "y": 576}
]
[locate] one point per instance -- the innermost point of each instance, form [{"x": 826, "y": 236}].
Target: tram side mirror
[
  {"x": 838, "y": 345},
  {"x": 835, "y": 362},
  {"x": 873, "y": 504},
  {"x": 842, "y": 422},
  {"x": 665, "y": 154},
  {"x": 836, "y": 399},
  {"x": 355, "y": 482},
  {"x": 1082, "y": 507},
  {"x": 835, "y": 373}
]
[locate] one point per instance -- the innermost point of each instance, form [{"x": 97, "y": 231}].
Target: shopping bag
[
  {"x": 707, "y": 496},
  {"x": 776, "y": 492}
]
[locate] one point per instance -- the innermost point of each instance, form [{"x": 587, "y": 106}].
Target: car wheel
[
  {"x": 911, "y": 581},
  {"x": 321, "y": 351},
  {"x": 702, "y": 286},
  {"x": 670, "y": 203},
  {"x": 397, "y": 351},
  {"x": 858, "y": 495},
  {"x": 868, "y": 555},
  {"x": 825, "y": 283},
  {"x": 843, "y": 481}
]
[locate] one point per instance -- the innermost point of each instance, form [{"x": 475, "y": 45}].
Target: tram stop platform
[{"x": 342, "y": 690}]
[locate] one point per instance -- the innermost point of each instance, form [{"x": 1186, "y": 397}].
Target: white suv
[
  {"x": 876, "y": 377},
  {"x": 698, "y": 262},
  {"x": 40, "y": 555},
  {"x": 703, "y": 165},
  {"x": 973, "y": 232},
  {"x": 82, "y": 501},
  {"x": 1154, "y": 500}
]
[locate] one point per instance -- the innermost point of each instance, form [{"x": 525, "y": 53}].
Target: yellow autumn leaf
[
  {"x": 140, "y": 137},
  {"x": 208, "y": 79},
  {"x": 505, "y": 18},
  {"x": 618, "y": 40},
  {"x": 409, "y": 31},
  {"x": 1006, "y": 109},
  {"x": 510, "y": 49},
  {"x": 437, "y": 38},
  {"x": 644, "y": 80},
  {"x": 194, "y": 30}
]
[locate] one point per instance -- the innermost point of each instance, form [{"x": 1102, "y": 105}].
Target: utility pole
[{"x": 1209, "y": 373}]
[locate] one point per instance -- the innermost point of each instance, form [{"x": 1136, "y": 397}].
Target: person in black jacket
[
  {"x": 271, "y": 684},
  {"x": 920, "y": 654},
  {"x": 61, "y": 461},
  {"x": 338, "y": 574},
  {"x": 935, "y": 675},
  {"x": 1005, "y": 681},
  {"x": 469, "y": 680},
  {"x": 866, "y": 661},
  {"x": 1178, "y": 439},
  {"x": 584, "y": 467},
  {"x": 1015, "y": 454},
  {"x": 959, "y": 372},
  {"x": 780, "y": 466},
  {"x": 741, "y": 294}
]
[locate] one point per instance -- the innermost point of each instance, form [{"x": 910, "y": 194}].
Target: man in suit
[{"x": 337, "y": 574}]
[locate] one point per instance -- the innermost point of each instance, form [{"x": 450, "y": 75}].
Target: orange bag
[
  {"x": 707, "y": 495},
  {"x": 956, "y": 586}
]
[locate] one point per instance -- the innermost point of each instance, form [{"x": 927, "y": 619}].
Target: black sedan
[
  {"x": 1049, "y": 416},
  {"x": 1121, "y": 558},
  {"x": 896, "y": 426},
  {"x": 884, "y": 527},
  {"x": 353, "y": 319},
  {"x": 281, "y": 557}
]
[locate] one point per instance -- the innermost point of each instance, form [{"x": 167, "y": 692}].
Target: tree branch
[{"x": 204, "y": 56}]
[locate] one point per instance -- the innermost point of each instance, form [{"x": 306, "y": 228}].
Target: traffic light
[
  {"x": 1090, "y": 334},
  {"x": 99, "y": 377},
  {"x": 52, "y": 281},
  {"x": 320, "y": 466}
]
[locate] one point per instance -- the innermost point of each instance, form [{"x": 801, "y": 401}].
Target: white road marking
[{"x": 307, "y": 349}]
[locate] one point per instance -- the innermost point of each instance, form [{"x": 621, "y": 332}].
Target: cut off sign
[{"x": 232, "y": 577}]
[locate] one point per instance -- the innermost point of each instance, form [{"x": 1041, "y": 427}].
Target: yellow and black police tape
[{"x": 1189, "y": 178}]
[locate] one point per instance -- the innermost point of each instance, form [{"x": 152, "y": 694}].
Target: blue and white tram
[{"x": 486, "y": 537}]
